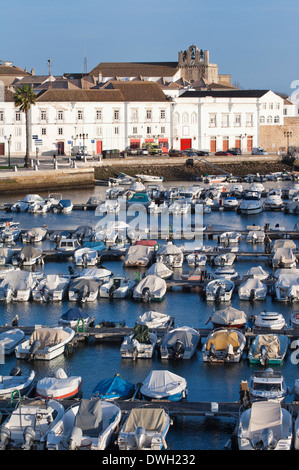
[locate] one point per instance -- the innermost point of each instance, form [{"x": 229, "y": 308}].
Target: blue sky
[{"x": 255, "y": 41}]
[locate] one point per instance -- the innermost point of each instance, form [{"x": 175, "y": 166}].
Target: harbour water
[{"x": 94, "y": 362}]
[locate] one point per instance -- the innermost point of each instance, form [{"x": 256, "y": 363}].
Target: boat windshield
[{"x": 267, "y": 387}]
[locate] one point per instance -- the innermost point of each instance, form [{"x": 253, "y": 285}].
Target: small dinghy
[
  {"x": 179, "y": 343},
  {"x": 117, "y": 287},
  {"x": 170, "y": 255},
  {"x": 35, "y": 235},
  {"x": 86, "y": 257},
  {"x": 87, "y": 425},
  {"x": 28, "y": 256},
  {"x": 83, "y": 289},
  {"x": 75, "y": 317},
  {"x": 266, "y": 425},
  {"x": 140, "y": 344},
  {"x": 29, "y": 424},
  {"x": 144, "y": 429},
  {"x": 225, "y": 259},
  {"x": 163, "y": 385},
  {"x": 268, "y": 385},
  {"x": 45, "y": 343},
  {"x": 220, "y": 290},
  {"x": 271, "y": 320},
  {"x": 16, "y": 383},
  {"x": 53, "y": 287},
  {"x": 10, "y": 339},
  {"x": 268, "y": 349},
  {"x": 113, "y": 389},
  {"x": 224, "y": 345},
  {"x": 58, "y": 387}
]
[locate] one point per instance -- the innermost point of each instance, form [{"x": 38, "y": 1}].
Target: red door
[
  {"x": 60, "y": 148},
  {"x": 2, "y": 148},
  {"x": 249, "y": 143},
  {"x": 163, "y": 143},
  {"x": 186, "y": 144},
  {"x": 213, "y": 144},
  {"x": 238, "y": 143},
  {"x": 99, "y": 147},
  {"x": 225, "y": 144},
  {"x": 135, "y": 143}
]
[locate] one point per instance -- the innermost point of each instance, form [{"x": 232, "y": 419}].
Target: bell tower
[{"x": 194, "y": 64}]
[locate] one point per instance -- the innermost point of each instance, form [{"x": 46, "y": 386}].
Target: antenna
[
  {"x": 84, "y": 72},
  {"x": 49, "y": 65}
]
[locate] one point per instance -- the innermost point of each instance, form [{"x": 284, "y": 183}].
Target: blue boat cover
[
  {"x": 116, "y": 387},
  {"x": 74, "y": 314}
]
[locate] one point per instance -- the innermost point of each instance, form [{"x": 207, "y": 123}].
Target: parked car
[
  {"x": 235, "y": 151},
  {"x": 177, "y": 153},
  {"x": 258, "y": 151},
  {"x": 199, "y": 153},
  {"x": 222, "y": 152},
  {"x": 134, "y": 151},
  {"x": 189, "y": 153},
  {"x": 152, "y": 148}
]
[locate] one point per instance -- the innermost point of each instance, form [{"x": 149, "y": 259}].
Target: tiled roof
[
  {"x": 12, "y": 70},
  {"x": 139, "y": 91},
  {"x": 79, "y": 95},
  {"x": 134, "y": 69},
  {"x": 224, "y": 93}
]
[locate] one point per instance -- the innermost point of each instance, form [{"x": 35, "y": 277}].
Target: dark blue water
[{"x": 95, "y": 362}]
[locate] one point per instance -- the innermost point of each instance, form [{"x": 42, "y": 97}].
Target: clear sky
[{"x": 254, "y": 41}]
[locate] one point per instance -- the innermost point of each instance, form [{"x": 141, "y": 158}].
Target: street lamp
[
  {"x": 288, "y": 134},
  {"x": 84, "y": 136},
  {"x": 8, "y": 145}
]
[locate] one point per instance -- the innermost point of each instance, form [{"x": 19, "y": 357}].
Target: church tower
[{"x": 195, "y": 64}]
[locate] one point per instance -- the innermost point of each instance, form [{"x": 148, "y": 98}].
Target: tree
[{"x": 24, "y": 98}]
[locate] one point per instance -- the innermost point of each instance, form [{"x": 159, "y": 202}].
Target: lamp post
[
  {"x": 84, "y": 136},
  {"x": 8, "y": 145},
  {"x": 288, "y": 134}
]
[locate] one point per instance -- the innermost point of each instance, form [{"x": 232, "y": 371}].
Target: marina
[{"x": 210, "y": 412}]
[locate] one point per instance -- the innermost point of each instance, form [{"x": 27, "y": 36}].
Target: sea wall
[{"x": 50, "y": 180}]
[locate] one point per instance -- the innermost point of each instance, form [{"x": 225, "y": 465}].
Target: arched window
[
  {"x": 176, "y": 117},
  {"x": 262, "y": 120},
  {"x": 269, "y": 120},
  {"x": 276, "y": 119},
  {"x": 185, "y": 118},
  {"x": 194, "y": 118}
]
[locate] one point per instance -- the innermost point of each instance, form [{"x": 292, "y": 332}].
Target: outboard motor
[
  {"x": 218, "y": 294},
  {"x": 111, "y": 291},
  {"x": 178, "y": 349},
  {"x": 267, "y": 441},
  {"x": 264, "y": 355},
  {"x": 212, "y": 351},
  {"x": 146, "y": 294},
  {"x": 15, "y": 371},
  {"x": 251, "y": 295},
  {"x": 139, "y": 437},
  {"x": 34, "y": 348},
  {"x": 29, "y": 438},
  {"x": 4, "y": 437},
  {"x": 229, "y": 353}
]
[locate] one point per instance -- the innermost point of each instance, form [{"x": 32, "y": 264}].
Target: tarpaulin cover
[
  {"x": 221, "y": 339},
  {"x": 148, "y": 418},
  {"x": 115, "y": 387}
]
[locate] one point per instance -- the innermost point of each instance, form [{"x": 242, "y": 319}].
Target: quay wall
[{"x": 27, "y": 180}]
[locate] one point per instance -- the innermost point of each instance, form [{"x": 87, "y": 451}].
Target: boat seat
[{"x": 89, "y": 417}]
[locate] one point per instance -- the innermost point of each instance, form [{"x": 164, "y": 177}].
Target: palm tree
[{"x": 24, "y": 98}]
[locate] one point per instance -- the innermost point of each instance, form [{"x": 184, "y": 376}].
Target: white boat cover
[
  {"x": 264, "y": 414},
  {"x": 272, "y": 344},
  {"x": 169, "y": 249},
  {"x": 229, "y": 316},
  {"x": 20, "y": 280},
  {"x": 284, "y": 244},
  {"x": 151, "y": 419},
  {"x": 138, "y": 255},
  {"x": 257, "y": 271},
  {"x": 30, "y": 252},
  {"x": 283, "y": 255},
  {"x": 153, "y": 319},
  {"x": 57, "y": 386},
  {"x": 159, "y": 269},
  {"x": 6, "y": 252},
  {"x": 52, "y": 281},
  {"x": 162, "y": 383},
  {"x": 188, "y": 336},
  {"x": 85, "y": 250},
  {"x": 49, "y": 336},
  {"x": 286, "y": 280},
  {"x": 155, "y": 284},
  {"x": 252, "y": 284},
  {"x": 10, "y": 337},
  {"x": 95, "y": 273},
  {"x": 37, "y": 231}
]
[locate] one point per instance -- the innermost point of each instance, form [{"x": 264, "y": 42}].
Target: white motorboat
[
  {"x": 196, "y": 259},
  {"x": 271, "y": 320},
  {"x": 17, "y": 285},
  {"x": 257, "y": 272},
  {"x": 76, "y": 318},
  {"x": 52, "y": 287},
  {"x": 179, "y": 207},
  {"x": 229, "y": 317},
  {"x": 34, "y": 235},
  {"x": 224, "y": 345},
  {"x": 150, "y": 178},
  {"x": 10, "y": 233},
  {"x": 179, "y": 343},
  {"x": 287, "y": 285},
  {"x": 144, "y": 429},
  {"x": 68, "y": 245},
  {"x": 163, "y": 385},
  {"x": 6, "y": 255},
  {"x": 138, "y": 255},
  {"x": 111, "y": 206},
  {"x": 255, "y": 236},
  {"x": 252, "y": 289},
  {"x": 226, "y": 273},
  {"x": 9, "y": 339},
  {"x": 268, "y": 349},
  {"x": 284, "y": 258},
  {"x": 257, "y": 187},
  {"x": 230, "y": 203},
  {"x": 220, "y": 290},
  {"x": 266, "y": 425},
  {"x": 225, "y": 259},
  {"x": 29, "y": 256},
  {"x": 140, "y": 344},
  {"x": 22, "y": 205},
  {"x": 87, "y": 425},
  {"x": 150, "y": 288},
  {"x": 45, "y": 343},
  {"x": 16, "y": 383},
  {"x": 28, "y": 425},
  {"x": 268, "y": 385},
  {"x": 159, "y": 269},
  {"x": 273, "y": 200},
  {"x": 64, "y": 206},
  {"x": 117, "y": 287},
  {"x": 251, "y": 203},
  {"x": 58, "y": 387},
  {"x": 155, "y": 320},
  {"x": 40, "y": 207},
  {"x": 229, "y": 238},
  {"x": 170, "y": 255},
  {"x": 83, "y": 289},
  {"x": 86, "y": 257}
]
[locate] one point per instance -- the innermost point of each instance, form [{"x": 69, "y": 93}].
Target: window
[
  {"x": 116, "y": 130},
  {"x": 1, "y": 116},
  {"x": 162, "y": 114},
  {"x": 116, "y": 115},
  {"x": 18, "y": 116},
  {"x": 148, "y": 130},
  {"x": 271, "y": 106},
  {"x": 99, "y": 131},
  {"x": 176, "y": 118},
  {"x": 98, "y": 114},
  {"x": 269, "y": 120},
  {"x": 237, "y": 120},
  {"x": 80, "y": 115},
  {"x": 135, "y": 130},
  {"x": 213, "y": 120},
  {"x": 264, "y": 106},
  {"x": 262, "y": 120},
  {"x": 44, "y": 131},
  {"x": 60, "y": 131},
  {"x": 194, "y": 118},
  {"x": 18, "y": 131},
  {"x": 276, "y": 119},
  {"x": 277, "y": 105},
  {"x": 162, "y": 130},
  {"x": 43, "y": 115},
  {"x": 225, "y": 120},
  {"x": 185, "y": 118},
  {"x": 18, "y": 146},
  {"x": 60, "y": 115},
  {"x": 249, "y": 120},
  {"x": 285, "y": 111},
  {"x": 134, "y": 115},
  {"x": 148, "y": 114}
]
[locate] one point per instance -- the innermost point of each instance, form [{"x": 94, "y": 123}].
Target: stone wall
[{"x": 273, "y": 139}]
